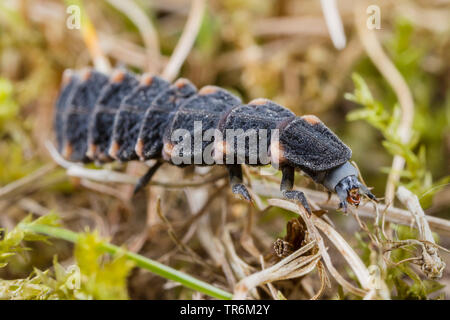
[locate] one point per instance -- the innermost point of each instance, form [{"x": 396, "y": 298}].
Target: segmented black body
[{"x": 102, "y": 119}]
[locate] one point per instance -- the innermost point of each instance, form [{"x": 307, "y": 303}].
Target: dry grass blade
[
  {"x": 91, "y": 40},
  {"x": 324, "y": 281},
  {"x": 104, "y": 175},
  {"x": 240, "y": 268},
  {"x": 14, "y": 186},
  {"x": 334, "y": 23},
  {"x": 214, "y": 248},
  {"x": 293, "y": 266},
  {"x": 391, "y": 214},
  {"x": 346, "y": 250},
  {"x": 186, "y": 41},
  {"x": 298, "y": 54},
  {"x": 146, "y": 29},
  {"x": 354, "y": 261},
  {"x": 387, "y": 68},
  {"x": 411, "y": 201},
  {"x": 430, "y": 262},
  {"x": 102, "y": 188}
]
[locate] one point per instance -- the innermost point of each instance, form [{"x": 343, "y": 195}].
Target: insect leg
[
  {"x": 145, "y": 179},
  {"x": 367, "y": 192},
  {"x": 235, "y": 174},
  {"x": 287, "y": 183},
  {"x": 342, "y": 194}
]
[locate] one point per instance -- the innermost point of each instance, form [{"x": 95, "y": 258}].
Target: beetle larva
[{"x": 124, "y": 118}]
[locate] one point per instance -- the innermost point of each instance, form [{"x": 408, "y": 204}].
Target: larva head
[{"x": 344, "y": 181}]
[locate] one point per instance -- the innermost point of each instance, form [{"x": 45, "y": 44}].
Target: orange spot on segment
[
  {"x": 92, "y": 149},
  {"x": 103, "y": 157},
  {"x": 67, "y": 151},
  {"x": 118, "y": 76},
  {"x": 180, "y": 83},
  {"x": 277, "y": 152},
  {"x": 139, "y": 148},
  {"x": 67, "y": 76},
  {"x": 86, "y": 74},
  {"x": 259, "y": 101},
  {"x": 146, "y": 79},
  {"x": 311, "y": 119},
  {"x": 167, "y": 151},
  {"x": 207, "y": 90},
  {"x": 114, "y": 149},
  {"x": 220, "y": 150}
]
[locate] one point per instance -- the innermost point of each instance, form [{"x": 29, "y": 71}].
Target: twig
[
  {"x": 103, "y": 175},
  {"x": 203, "y": 210},
  {"x": 431, "y": 264},
  {"x": 385, "y": 66},
  {"x": 90, "y": 38},
  {"x": 392, "y": 214},
  {"x": 240, "y": 267},
  {"x": 29, "y": 205},
  {"x": 173, "y": 236},
  {"x": 293, "y": 266},
  {"x": 125, "y": 51},
  {"x": 311, "y": 223},
  {"x": 215, "y": 248},
  {"x": 246, "y": 238},
  {"x": 411, "y": 201},
  {"x": 15, "y": 185},
  {"x": 104, "y": 189},
  {"x": 298, "y": 26},
  {"x": 197, "y": 198},
  {"x": 324, "y": 281},
  {"x": 186, "y": 41},
  {"x": 146, "y": 29},
  {"x": 334, "y": 23},
  {"x": 345, "y": 249},
  {"x": 271, "y": 287}
]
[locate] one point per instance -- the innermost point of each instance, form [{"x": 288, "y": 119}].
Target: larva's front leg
[
  {"x": 145, "y": 179},
  {"x": 238, "y": 188},
  {"x": 287, "y": 183}
]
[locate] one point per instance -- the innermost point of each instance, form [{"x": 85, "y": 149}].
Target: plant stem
[{"x": 141, "y": 261}]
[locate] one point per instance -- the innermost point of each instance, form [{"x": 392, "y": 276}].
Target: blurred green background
[{"x": 279, "y": 50}]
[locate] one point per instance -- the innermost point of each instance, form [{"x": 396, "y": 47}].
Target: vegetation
[{"x": 69, "y": 235}]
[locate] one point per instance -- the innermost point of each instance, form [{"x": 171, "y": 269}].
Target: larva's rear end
[
  {"x": 69, "y": 82},
  {"x": 78, "y": 112}
]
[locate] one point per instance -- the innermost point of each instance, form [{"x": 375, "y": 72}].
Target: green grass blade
[{"x": 141, "y": 261}]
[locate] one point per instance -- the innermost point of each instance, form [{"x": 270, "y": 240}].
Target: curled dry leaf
[
  {"x": 295, "y": 238},
  {"x": 344, "y": 248},
  {"x": 295, "y": 265}
]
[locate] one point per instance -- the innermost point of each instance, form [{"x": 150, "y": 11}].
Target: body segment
[
  {"x": 121, "y": 84},
  {"x": 69, "y": 82},
  {"x": 253, "y": 124},
  {"x": 201, "y": 112},
  {"x": 78, "y": 112},
  {"x": 158, "y": 118},
  {"x": 130, "y": 116}
]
